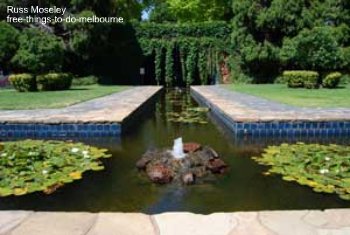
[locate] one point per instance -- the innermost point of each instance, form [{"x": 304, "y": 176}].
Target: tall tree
[
  {"x": 197, "y": 10},
  {"x": 260, "y": 27}
]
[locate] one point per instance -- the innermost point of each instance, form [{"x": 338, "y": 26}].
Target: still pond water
[{"x": 120, "y": 187}]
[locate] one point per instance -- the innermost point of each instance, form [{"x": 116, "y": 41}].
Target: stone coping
[
  {"x": 246, "y": 115},
  {"x": 101, "y": 117},
  {"x": 334, "y": 221},
  {"x": 113, "y": 108},
  {"x": 247, "y": 108}
]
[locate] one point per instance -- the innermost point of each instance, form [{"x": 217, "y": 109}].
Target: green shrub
[
  {"x": 280, "y": 80},
  {"x": 23, "y": 82},
  {"x": 39, "y": 51},
  {"x": 301, "y": 78},
  {"x": 314, "y": 49},
  {"x": 8, "y": 41},
  {"x": 84, "y": 81},
  {"x": 345, "y": 79},
  {"x": 332, "y": 80},
  {"x": 54, "y": 81}
]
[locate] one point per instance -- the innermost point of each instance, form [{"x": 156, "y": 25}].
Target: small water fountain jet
[
  {"x": 185, "y": 163},
  {"x": 178, "y": 152}
]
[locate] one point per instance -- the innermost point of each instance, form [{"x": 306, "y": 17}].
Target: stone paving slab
[
  {"x": 192, "y": 224},
  {"x": 247, "y": 108},
  {"x": 112, "y": 109},
  {"x": 44, "y": 223},
  {"x": 10, "y": 220},
  {"x": 304, "y": 222},
  {"x": 122, "y": 224}
]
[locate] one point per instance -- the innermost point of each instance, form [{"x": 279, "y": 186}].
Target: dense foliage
[
  {"x": 39, "y": 52},
  {"x": 185, "y": 52},
  {"x": 332, "y": 80},
  {"x": 325, "y": 168},
  {"x": 8, "y": 42},
  {"x": 315, "y": 49},
  {"x": 54, "y": 82},
  {"x": 100, "y": 49},
  {"x": 84, "y": 81},
  {"x": 23, "y": 82},
  {"x": 258, "y": 39},
  {"x": 197, "y": 11},
  {"x": 35, "y": 165},
  {"x": 311, "y": 35}
]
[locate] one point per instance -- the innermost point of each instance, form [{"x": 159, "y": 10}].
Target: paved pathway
[
  {"x": 244, "y": 107},
  {"x": 112, "y": 108},
  {"x": 328, "y": 222}
]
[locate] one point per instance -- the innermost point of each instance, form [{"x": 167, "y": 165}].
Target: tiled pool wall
[
  {"x": 310, "y": 129},
  {"x": 10, "y": 130},
  {"x": 40, "y": 130},
  {"x": 145, "y": 110}
]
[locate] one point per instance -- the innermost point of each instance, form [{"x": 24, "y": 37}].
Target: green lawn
[
  {"x": 11, "y": 99},
  {"x": 325, "y": 98}
]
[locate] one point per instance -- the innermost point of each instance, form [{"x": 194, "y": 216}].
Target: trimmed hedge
[
  {"x": 84, "y": 81},
  {"x": 216, "y": 29},
  {"x": 23, "y": 82},
  {"x": 332, "y": 80},
  {"x": 301, "y": 78},
  {"x": 54, "y": 81}
]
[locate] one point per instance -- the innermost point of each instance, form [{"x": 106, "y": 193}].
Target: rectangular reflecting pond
[{"x": 120, "y": 187}]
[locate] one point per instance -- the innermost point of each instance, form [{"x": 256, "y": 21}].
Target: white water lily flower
[
  {"x": 327, "y": 158},
  {"x": 44, "y": 172},
  {"x": 324, "y": 171},
  {"x": 3, "y": 154},
  {"x": 75, "y": 150},
  {"x": 85, "y": 152},
  {"x": 31, "y": 153}
]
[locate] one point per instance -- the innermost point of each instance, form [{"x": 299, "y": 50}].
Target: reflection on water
[{"x": 121, "y": 188}]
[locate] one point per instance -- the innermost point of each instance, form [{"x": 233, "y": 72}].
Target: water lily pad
[
  {"x": 34, "y": 165},
  {"x": 325, "y": 168}
]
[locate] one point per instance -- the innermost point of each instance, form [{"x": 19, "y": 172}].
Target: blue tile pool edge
[
  {"x": 287, "y": 128},
  {"x": 42, "y": 130},
  {"x": 9, "y": 130}
]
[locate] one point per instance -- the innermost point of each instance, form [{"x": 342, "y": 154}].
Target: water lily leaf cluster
[
  {"x": 325, "y": 168},
  {"x": 190, "y": 115},
  {"x": 28, "y": 166},
  {"x": 184, "y": 111}
]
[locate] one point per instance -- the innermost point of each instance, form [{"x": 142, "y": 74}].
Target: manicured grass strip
[
  {"x": 322, "y": 98},
  {"x": 13, "y": 100}
]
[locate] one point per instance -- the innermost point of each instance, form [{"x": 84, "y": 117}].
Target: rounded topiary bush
[
  {"x": 301, "y": 78},
  {"x": 54, "y": 81},
  {"x": 28, "y": 166},
  {"x": 332, "y": 80},
  {"x": 23, "y": 82}
]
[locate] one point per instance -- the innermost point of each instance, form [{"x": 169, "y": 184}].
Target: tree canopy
[
  {"x": 265, "y": 37},
  {"x": 262, "y": 28}
]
